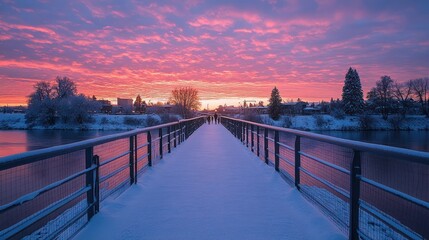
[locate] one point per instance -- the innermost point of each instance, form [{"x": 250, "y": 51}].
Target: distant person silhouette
[
  {"x": 208, "y": 119},
  {"x": 215, "y": 118}
]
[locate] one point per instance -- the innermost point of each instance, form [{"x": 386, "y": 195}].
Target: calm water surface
[
  {"x": 17, "y": 141},
  {"x": 416, "y": 140}
]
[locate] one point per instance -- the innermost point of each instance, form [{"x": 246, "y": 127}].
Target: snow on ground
[
  {"x": 211, "y": 187},
  {"x": 328, "y": 122},
  {"x": 100, "y": 122},
  {"x": 302, "y": 122},
  {"x": 12, "y": 121}
]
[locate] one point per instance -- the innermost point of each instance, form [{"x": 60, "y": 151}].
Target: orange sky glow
[{"x": 230, "y": 51}]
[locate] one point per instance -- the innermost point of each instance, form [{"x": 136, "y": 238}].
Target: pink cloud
[{"x": 216, "y": 24}]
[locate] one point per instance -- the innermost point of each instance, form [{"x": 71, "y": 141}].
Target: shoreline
[{"x": 101, "y": 122}]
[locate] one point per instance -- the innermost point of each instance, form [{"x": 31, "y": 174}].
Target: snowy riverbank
[
  {"x": 100, "y": 122},
  {"x": 307, "y": 122},
  {"x": 349, "y": 123}
]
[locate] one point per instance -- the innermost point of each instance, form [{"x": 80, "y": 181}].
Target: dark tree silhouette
[
  {"x": 186, "y": 99},
  {"x": 274, "y": 106},
  {"x": 420, "y": 88},
  {"x": 352, "y": 93},
  {"x": 138, "y": 104}
]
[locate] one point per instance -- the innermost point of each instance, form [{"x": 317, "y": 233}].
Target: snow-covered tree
[
  {"x": 48, "y": 104},
  {"x": 41, "y": 105},
  {"x": 65, "y": 87},
  {"x": 275, "y": 104},
  {"x": 352, "y": 93}
]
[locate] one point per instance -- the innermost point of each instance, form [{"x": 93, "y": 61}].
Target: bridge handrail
[
  {"x": 35, "y": 155},
  {"x": 334, "y": 183},
  {"x": 411, "y": 155},
  {"x": 91, "y": 176}
]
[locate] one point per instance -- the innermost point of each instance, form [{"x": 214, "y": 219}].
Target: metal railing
[
  {"x": 371, "y": 191},
  {"x": 53, "y": 192}
]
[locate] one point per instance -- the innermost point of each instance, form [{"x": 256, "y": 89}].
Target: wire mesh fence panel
[
  {"x": 271, "y": 156},
  {"x": 142, "y": 152},
  {"x": 330, "y": 154},
  {"x": 410, "y": 178},
  {"x": 24, "y": 181},
  {"x": 155, "y": 146},
  {"x": 322, "y": 182},
  {"x": 112, "y": 178},
  {"x": 287, "y": 163}
]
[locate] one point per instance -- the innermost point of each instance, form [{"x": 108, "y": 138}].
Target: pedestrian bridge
[
  {"x": 210, "y": 188},
  {"x": 238, "y": 180}
]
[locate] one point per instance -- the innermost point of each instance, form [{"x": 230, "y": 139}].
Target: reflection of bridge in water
[{"x": 211, "y": 187}]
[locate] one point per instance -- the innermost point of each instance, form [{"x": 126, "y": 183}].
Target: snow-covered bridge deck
[{"x": 211, "y": 187}]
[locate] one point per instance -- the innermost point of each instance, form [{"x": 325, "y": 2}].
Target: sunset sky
[{"x": 228, "y": 50}]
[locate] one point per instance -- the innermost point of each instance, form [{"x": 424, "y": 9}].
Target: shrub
[
  {"x": 396, "y": 121},
  {"x": 152, "y": 121},
  {"x": 104, "y": 120},
  {"x": 252, "y": 117},
  {"x": 167, "y": 118},
  {"x": 287, "y": 122},
  {"x": 132, "y": 121},
  {"x": 338, "y": 113},
  {"x": 320, "y": 121},
  {"x": 366, "y": 122}
]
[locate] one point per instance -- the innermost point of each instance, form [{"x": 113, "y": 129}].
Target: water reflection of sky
[
  {"x": 416, "y": 140},
  {"x": 16, "y": 141}
]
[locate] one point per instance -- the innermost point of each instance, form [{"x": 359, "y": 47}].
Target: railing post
[
  {"x": 266, "y": 145},
  {"x": 180, "y": 133},
  {"x": 297, "y": 161},
  {"x": 175, "y": 135},
  {"x": 252, "y": 137},
  {"x": 149, "y": 149},
  {"x": 257, "y": 140},
  {"x": 355, "y": 172},
  {"x": 135, "y": 159},
  {"x": 131, "y": 160},
  {"x": 96, "y": 161},
  {"x": 169, "y": 139},
  {"x": 91, "y": 197},
  {"x": 276, "y": 150},
  {"x": 160, "y": 142},
  {"x": 242, "y": 132},
  {"x": 247, "y": 135}
]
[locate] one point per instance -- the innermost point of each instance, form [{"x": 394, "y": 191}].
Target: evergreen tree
[
  {"x": 274, "y": 106},
  {"x": 138, "y": 104},
  {"x": 352, "y": 93}
]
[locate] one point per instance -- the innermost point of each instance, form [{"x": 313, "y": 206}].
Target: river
[
  {"x": 17, "y": 141},
  {"x": 416, "y": 140}
]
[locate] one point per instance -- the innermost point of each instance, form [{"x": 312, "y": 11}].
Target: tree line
[
  {"x": 59, "y": 102},
  {"x": 386, "y": 97}
]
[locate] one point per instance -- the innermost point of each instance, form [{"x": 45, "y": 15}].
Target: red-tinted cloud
[{"x": 226, "y": 50}]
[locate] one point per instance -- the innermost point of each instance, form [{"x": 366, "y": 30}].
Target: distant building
[
  {"x": 230, "y": 110},
  {"x": 311, "y": 110},
  {"x": 257, "y": 110},
  {"x": 293, "y": 107},
  {"x": 160, "y": 109},
  {"x": 125, "y": 105},
  {"x": 106, "y": 106}
]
